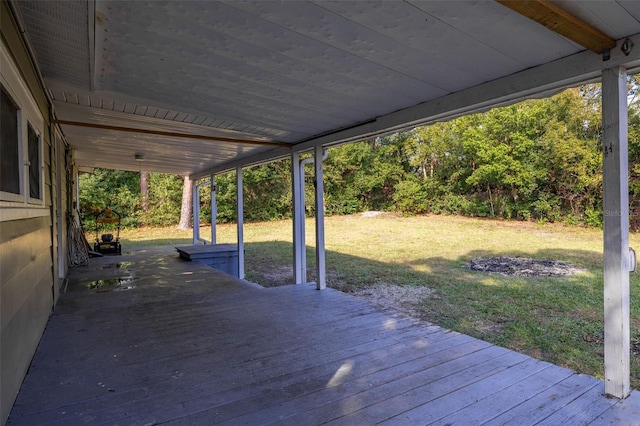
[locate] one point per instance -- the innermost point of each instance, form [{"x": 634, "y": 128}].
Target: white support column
[
  {"x": 214, "y": 209},
  {"x": 76, "y": 183},
  {"x": 321, "y": 274},
  {"x": 299, "y": 249},
  {"x": 616, "y": 233},
  {"x": 240, "y": 217},
  {"x": 195, "y": 200}
]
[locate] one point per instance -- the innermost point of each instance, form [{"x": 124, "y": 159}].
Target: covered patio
[
  {"x": 149, "y": 338},
  {"x": 205, "y": 88}
]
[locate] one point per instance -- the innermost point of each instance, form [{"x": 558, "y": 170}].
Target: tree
[
  {"x": 363, "y": 175},
  {"x": 538, "y": 159},
  {"x": 571, "y": 157},
  {"x": 186, "y": 210},
  {"x": 502, "y": 143},
  {"x": 634, "y": 151},
  {"x": 114, "y": 189}
]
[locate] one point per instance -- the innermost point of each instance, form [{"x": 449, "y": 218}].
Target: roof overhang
[{"x": 203, "y": 87}]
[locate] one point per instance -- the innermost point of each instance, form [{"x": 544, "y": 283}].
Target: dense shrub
[{"x": 537, "y": 160}]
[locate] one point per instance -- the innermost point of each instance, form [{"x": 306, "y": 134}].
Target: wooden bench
[{"x": 223, "y": 257}]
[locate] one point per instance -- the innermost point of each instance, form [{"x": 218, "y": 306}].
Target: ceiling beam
[
  {"x": 563, "y": 23},
  {"x": 170, "y": 134}
]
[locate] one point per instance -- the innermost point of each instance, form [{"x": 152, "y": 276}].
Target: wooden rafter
[
  {"x": 563, "y": 23},
  {"x": 170, "y": 134}
]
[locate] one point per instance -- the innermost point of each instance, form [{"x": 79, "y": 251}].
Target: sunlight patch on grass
[
  {"x": 422, "y": 268},
  {"x": 489, "y": 281}
]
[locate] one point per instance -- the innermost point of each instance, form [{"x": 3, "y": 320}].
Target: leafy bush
[
  {"x": 536, "y": 160},
  {"x": 114, "y": 189}
]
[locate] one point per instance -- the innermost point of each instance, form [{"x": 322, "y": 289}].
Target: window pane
[
  {"x": 9, "y": 159},
  {"x": 34, "y": 164}
]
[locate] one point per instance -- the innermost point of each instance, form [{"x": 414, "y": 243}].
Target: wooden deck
[{"x": 146, "y": 338}]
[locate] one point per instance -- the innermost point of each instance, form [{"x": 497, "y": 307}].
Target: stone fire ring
[{"x": 522, "y": 266}]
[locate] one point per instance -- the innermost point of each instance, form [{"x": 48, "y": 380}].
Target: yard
[{"x": 417, "y": 264}]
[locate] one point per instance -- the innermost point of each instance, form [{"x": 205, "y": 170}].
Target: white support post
[
  {"x": 299, "y": 249},
  {"x": 214, "y": 210},
  {"x": 195, "y": 200},
  {"x": 616, "y": 233},
  {"x": 321, "y": 279},
  {"x": 240, "y": 217},
  {"x": 76, "y": 203}
]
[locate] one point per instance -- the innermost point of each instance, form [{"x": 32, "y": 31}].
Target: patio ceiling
[{"x": 201, "y": 87}]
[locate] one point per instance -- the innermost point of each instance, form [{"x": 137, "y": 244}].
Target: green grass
[{"x": 559, "y": 320}]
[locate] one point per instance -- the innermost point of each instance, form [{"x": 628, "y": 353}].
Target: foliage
[
  {"x": 165, "y": 194},
  {"x": 114, "y": 189},
  {"x": 533, "y": 160},
  {"x": 266, "y": 193},
  {"x": 634, "y": 151},
  {"x": 120, "y": 191},
  {"x": 536, "y": 160},
  {"x": 362, "y": 176}
]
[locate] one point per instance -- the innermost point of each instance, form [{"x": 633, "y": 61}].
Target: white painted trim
[
  {"x": 214, "y": 210},
  {"x": 616, "y": 233},
  {"x": 60, "y": 177},
  {"x": 195, "y": 203},
  {"x": 298, "y": 216},
  {"x": 303, "y": 216},
  {"x": 28, "y": 113},
  {"x": 30, "y": 200},
  {"x": 240, "y": 221},
  {"x": 321, "y": 270},
  {"x": 19, "y": 213}
]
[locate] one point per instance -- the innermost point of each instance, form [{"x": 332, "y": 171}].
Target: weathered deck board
[
  {"x": 180, "y": 343},
  {"x": 547, "y": 402},
  {"x": 490, "y": 405},
  {"x": 352, "y": 369},
  {"x": 625, "y": 412},
  {"x": 440, "y": 407},
  {"x": 584, "y": 409}
]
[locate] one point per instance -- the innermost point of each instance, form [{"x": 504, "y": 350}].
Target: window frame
[
  {"x": 28, "y": 115},
  {"x": 14, "y": 196},
  {"x": 39, "y": 167}
]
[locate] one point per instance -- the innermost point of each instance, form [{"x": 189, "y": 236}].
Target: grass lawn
[{"x": 559, "y": 320}]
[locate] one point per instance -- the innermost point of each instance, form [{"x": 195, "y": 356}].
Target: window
[
  {"x": 9, "y": 145},
  {"x": 34, "y": 164},
  {"x": 21, "y": 144},
  {"x": 19, "y": 158}
]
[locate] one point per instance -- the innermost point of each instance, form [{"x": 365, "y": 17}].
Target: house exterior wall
[{"x": 32, "y": 230}]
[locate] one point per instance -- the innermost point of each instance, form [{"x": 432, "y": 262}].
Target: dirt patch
[
  {"x": 523, "y": 266},
  {"x": 372, "y": 214},
  {"x": 402, "y": 298},
  {"x": 274, "y": 276}
]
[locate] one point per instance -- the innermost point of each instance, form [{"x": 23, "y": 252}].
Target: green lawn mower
[{"x": 108, "y": 220}]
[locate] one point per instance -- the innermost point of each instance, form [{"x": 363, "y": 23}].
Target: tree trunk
[
  {"x": 493, "y": 212},
  {"x": 144, "y": 196},
  {"x": 186, "y": 211}
]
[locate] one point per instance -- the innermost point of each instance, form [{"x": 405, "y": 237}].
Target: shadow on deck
[{"x": 147, "y": 338}]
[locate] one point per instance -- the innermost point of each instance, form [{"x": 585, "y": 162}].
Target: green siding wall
[{"x": 29, "y": 265}]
